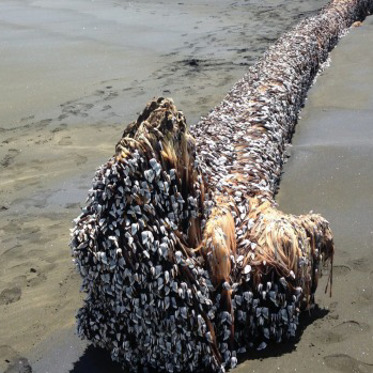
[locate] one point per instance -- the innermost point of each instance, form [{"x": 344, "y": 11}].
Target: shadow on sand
[
  {"x": 278, "y": 349},
  {"x": 97, "y": 360}
]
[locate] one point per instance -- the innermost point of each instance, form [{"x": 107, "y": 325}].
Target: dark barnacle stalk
[{"x": 185, "y": 258}]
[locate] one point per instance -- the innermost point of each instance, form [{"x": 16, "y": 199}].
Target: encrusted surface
[{"x": 185, "y": 259}]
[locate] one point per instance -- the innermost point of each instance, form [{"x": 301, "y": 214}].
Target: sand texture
[{"x": 73, "y": 73}]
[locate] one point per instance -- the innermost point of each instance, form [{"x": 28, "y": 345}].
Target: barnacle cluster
[{"x": 185, "y": 259}]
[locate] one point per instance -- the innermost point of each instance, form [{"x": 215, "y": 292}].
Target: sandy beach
[{"x": 75, "y": 73}]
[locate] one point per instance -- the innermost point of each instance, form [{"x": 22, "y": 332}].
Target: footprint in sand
[
  {"x": 75, "y": 108},
  {"x": 61, "y": 127},
  {"x": 65, "y": 141},
  {"x": 26, "y": 119},
  {"x": 110, "y": 95},
  {"x": 43, "y": 123},
  {"x": 365, "y": 295},
  {"x": 341, "y": 270},
  {"x": 10, "y": 295},
  {"x": 344, "y": 331},
  {"x": 36, "y": 277},
  {"x": 9, "y": 158},
  {"x": 19, "y": 365},
  {"x": 347, "y": 364},
  {"x": 62, "y": 116},
  {"x": 8, "y": 353},
  {"x": 361, "y": 264},
  {"x": 80, "y": 159},
  {"x": 107, "y": 93}
]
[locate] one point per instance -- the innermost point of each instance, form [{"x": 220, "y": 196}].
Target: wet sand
[
  {"x": 330, "y": 172},
  {"x": 84, "y": 85}
]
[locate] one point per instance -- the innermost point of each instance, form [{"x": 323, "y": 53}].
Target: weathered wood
[{"x": 185, "y": 259}]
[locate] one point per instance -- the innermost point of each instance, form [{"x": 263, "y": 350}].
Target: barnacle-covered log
[{"x": 185, "y": 258}]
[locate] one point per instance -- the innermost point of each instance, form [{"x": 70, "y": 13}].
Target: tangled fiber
[{"x": 185, "y": 259}]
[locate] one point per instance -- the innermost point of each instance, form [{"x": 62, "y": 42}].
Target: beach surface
[{"x": 75, "y": 73}]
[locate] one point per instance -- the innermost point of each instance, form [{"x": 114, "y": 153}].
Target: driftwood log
[{"x": 185, "y": 258}]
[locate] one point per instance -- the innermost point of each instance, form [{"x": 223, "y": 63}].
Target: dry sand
[{"x": 73, "y": 73}]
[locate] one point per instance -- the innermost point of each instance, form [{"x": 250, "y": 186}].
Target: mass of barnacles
[{"x": 185, "y": 258}]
